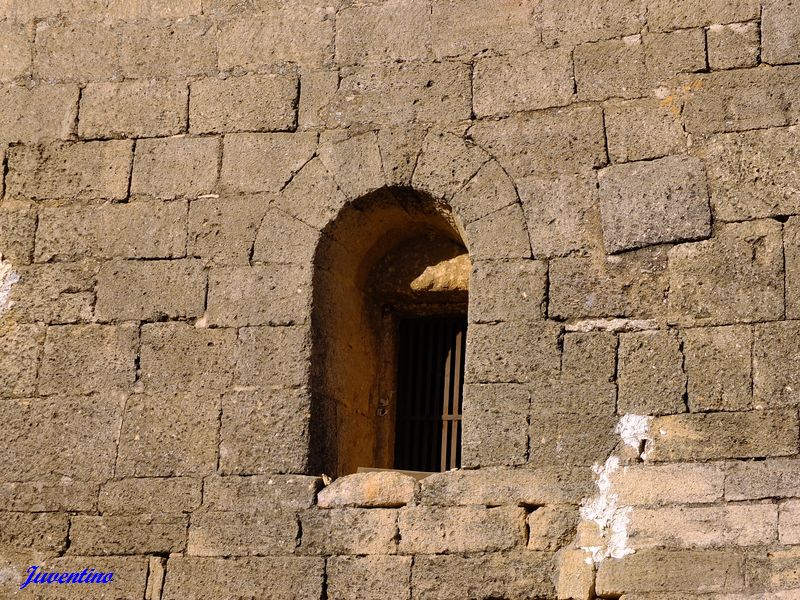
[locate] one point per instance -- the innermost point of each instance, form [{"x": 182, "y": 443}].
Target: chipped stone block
[
  {"x": 668, "y": 484},
  {"x": 642, "y": 129},
  {"x": 150, "y": 495},
  {"x": 668, "y": 54},
  {"x": 233, "y": 533},
  {"x": 507, "y": 290},
  {"x": 222, "y": 231},
  {"x": 551, "y": 527},
  {"x": 20, "y": 350},
  {"x": 495, "y": 425},
  {"x": 651, "y": 376},
  {"x": 780, "y": 32},
  {"x": 255, "y": 493},
  {"x": 369, "y": 490},
  {"x": 613, "y": 68},
  {"x": 733, "y": 46},
  {"x": 42, "y": 113},
  {"x": 175, "y": 167},
  {"x": 348, "y": 531},
  {"x": 116, "y": 534},
  {"x": 774, "y": 477},
  {"x": 663, "y": 15},
  {"x": 575, "y": 576},
  {"x": 369, "y": 577}
]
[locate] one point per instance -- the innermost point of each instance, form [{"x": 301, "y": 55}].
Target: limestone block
[
  {"x": 723, "y": 435},
  {"x": 150, "y": 290},
  {"x": 242, "y": 534},
  {"x": 17, "y": 231},
  {"x": 112, "y": 231},
  {"x": 369, "y": 490},
  {"x": 150, "y": 495},
  {"x": 633, "y": 284},
  {"x": 169, "y": 435},
  {"x": 20, "y": 350},
  {"x": 514, "y": 352},
  {"x": 270, "y": 357},
  {"x": 51, "y": 494},
  {"x": 80, "y": 359},
  {"x": 668, "y": 484},
  {"x": 775, "y": 352},
  {"x": 575, "y": 576},
  {"x": 80, "y": 171},
  {"x": 498, "y": 486},
  {"x": 651, "y": 376},
  {"x": 571, "y": 22},
  {"x": 71, "y": 436},
  {"x": 495, "y": 425},
  {"x": 561, "y": 213},
  {"x": 153, "y": 9},
  {"x": 175, "y": 167},
  {"x": 179, "y": 357},
  {"x": 264, "y": 162},
  {"x": 532, "y": 81},
  {"x": 284, "y": 239},
  {"x": 642, "y": 129},
  {"x": 369, "y": 577},
  {"x": 124, "y": 534},
  {"x": 612, "y": 68},
  {"x": 312, "y": 196},
  {"x": 791, "y": 248},
  {"x": 570, "y": 439},
  {"x": 256, "y": 493},
  {"x": 763, "y": 479},
  {"x": 790, "y": 522},
  {"x": 319, "y": 88},
  {"x": 264, "y": 432},
  {"x": 23, "y": 10},
  {"x": 499, "y": 235},
  {"x": 246, "y": 103},
  {"x": 348, "y": 531},
  {"x": 515, "y": 576},
  {"x": 133, "y": 109},
  {"x": 260, "y": 295},
  {"x": 33, "y": 531},
  {"x": 733, "y": 46},
  {"x": 653, "y": 202},
  {"x": 489, "y": 190},
  {"x": 780, "y": 31},
  {"x": 681, "y": 570},
  {"x": 718, "y": 367},
  {"x": 775, "y": 569},
  {"x": 569, "y": 140},
  {"x": 737, "y": 276},
  {"x": 354, "y": 162},
  {"x": 222, "y": 231},
  {"x": 507, "y": 291},
  {"x": 446, "y": 164},
  {"x": 72, "y": 52},
  {"x": 57, "y": 293},
  {"x": 436, "y": 530},
  {"x": 278, "y": 577},
  {"x": 42, "y": 113},
  {"x": 668, "y": 54},
  {"x": 551, "y": 527},
  {"x": 663, "y": 15},
  {"x": 16, "y": 61}
]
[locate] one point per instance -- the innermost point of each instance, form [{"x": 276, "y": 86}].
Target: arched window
[{"x": 389, "y": 320}]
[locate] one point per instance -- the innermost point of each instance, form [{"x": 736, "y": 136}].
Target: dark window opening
[{"x": 430, "y": 376}]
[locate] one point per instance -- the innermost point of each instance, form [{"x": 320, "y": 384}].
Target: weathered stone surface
[
  {"x": 16, "y": 61},
  {"x": 774, "y": 569},
  {"x": 733, "y": 46},
  {"x": 791, "y": 249},
  {"x": 653, "y": 202},
  {"x": 488, "y": 191},
  {"x": 80, "y": 434},
  {"x": 779, "y": 32},
  {"x": 133, "y": 109},
  {"x": 222, "y": 231},
  {"x": 573, "y": 22},
  {"x": 763, "y": 479},
  {"x": 348, "y": 531},
  {"x": 271, "y": 357},
  {"x": 507, "y": 291},
  {"x": 175, "y": 167},
  {"x": 264, "y": 432},
  {"x": 575, "y": 575},
  {"x": 613, "y": 68},
  {"x": 80, "y": 359},
  {"x": 83, "y": 170},
  {"x": 264, "y": 162},
  {"x": 142, "y": 534},
  {"x": 651, "y": 376},
  {"x": 242, "y": 534},
  {"x": 633, "y": 284},
  {"x": 260, "y": 295},
  {"x": 551, "y": 527},
  {"x": 682, "y": 570},
  {"x": 150, "y": 290},
  {"x": 446, "y": 164},
  {"x": 789, "y": 526},
  {"x": 369, "y": 490},
  {"x": 20, "y": 350},
  {"x": 514, "y": 352},
  {"x": 255, "y": 493},
  {"x": 499, "y": 235},
  {"x": 354, "y": 162},
  {"x": 559, "y": 439},
  {"x": 663, "y": 15},
  {"x": 775, "y": 352},
  {"x": 369, "y": 577},
  {"x": 736, "y": 276},
  {"x": 668, "y": 484},
  {"x": 718, "y": 367},
  {"x": 33, "y": 531},
  {"x": 723, "y": 435},
  {"x": 42, "y": 113},
  {"x": 281, "y": 578},
  {"x": 312, "y": 196},
  {"x": 17, "y": 231},
  {"x": 437, "y": 530},
  {"x": 515, "y": 576},
  {"x": 642, "y": 129},
  {"x": 179, "y": 357},
  {"x": 150, "y": 9},
  {"x": 319, "y": 88},
  {"x": 168, "y": 435},
  {"x": 284, "y": 239},
  {"x": 110, "y": 231},
  {"x": 496, "y": 487},
  {"x": 569, "y": 140},
  {"x": 150, "y": 495},
  {"x": 495, "y": 425},
  {"x": 49, "y": 495},
  {"x": 538, "y": 79},
  {"x": 58, "y": 293},
  {"x": 668, "y": 54},
  {"x": 247, "y": 103}
]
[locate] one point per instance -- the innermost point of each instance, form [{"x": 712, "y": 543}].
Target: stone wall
[{"x": 624, "y": 175}]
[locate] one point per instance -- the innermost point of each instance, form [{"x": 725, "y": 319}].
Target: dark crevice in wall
[
  {"x": 324, "y": 590},
  {"x": 130, "y": 172}
]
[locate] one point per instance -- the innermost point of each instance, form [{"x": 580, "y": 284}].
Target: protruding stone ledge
[{"x": 369, "y": 490}]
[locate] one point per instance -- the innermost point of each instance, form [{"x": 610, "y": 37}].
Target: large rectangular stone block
[
  {"x": 571, "y": 22},
  {"x": 642, "y": 129},
  {"x": 663, "y": 15},
  {"x": 258, "y": 492},
  {"x": 80, "y": 359},
  {"x": 17, "y": 230},
  {"x": 776, "y": 349},
  {"x": 242, "y": 534},
  {"x": 450, "y": 530},
  {"x": 45, "y": 112},
  {"x": 610, "y": 69},
  {"x": 495, "y": 425},
  {"x": 247, "y": 103},
  {"x": 150, "y": 495},
  {"x": 42, "y": 532},
  {"x": 78, "y": 171},
  {"x": 51, "y": 494},
  {"x": 668, "y": 54},
  {"x": 150, "y": 290},
  {"x": 570, "y": 439},
  {"x": 133, "y": 109},
  {"x": 651, "y": 376},
  {"x": 791, "y": 249},
  {"x": 734, "y": 277},
  {"x": 348, "y": 531},
  {"x": 507, "y": 291},
  {"x": 733, "y": 46},
  {"x": 284, "y": 239},
  {"x": 125, "y": 534},
  {"x": 270, "y": 357},
  {"x": 153, "y": 9},
  {"x": 175, "y": 167},
  {"x": 20, "y": 350},
  {"x": 778, "y": 477},
  {"x": 780, "y": 32},
  {"x": 498, "y": 235},
  {"x": 775, "y": 570},
  {"x": 668, "y": 484},
  {"x": 54, "y": 293},
  {"x": 789, "y": 526},
  {"x": 16, "y": 61},
  {"x": 381, "y": 489},
  {"x": 369, "y": 577}
]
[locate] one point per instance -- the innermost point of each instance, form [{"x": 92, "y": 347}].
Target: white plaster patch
[
  {"x": 613, "y": 325},
  {"x": 8, "y": 278},
  {"x": 634, "y": 429}
]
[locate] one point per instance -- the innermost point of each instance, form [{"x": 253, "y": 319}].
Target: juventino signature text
[{"x": 86, "y": 576}]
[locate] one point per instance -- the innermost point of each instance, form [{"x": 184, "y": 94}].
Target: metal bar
[
  {"x": 445, "y": 393},
  {"x": 459, "y": 360}
]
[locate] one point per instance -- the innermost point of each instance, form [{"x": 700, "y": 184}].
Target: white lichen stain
[{"x": 8, "y": 278}]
